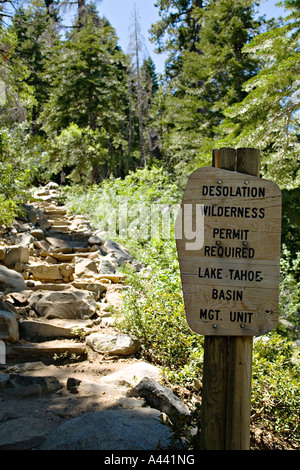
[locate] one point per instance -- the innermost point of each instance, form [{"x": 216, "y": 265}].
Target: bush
[
  {"x": 81, "y": 150},
  {"x": 17, "y": 170},
  {"x": 123, "y": 208},
  {"x": 289, "y": 299},
  {"x": 276, "y": 387}
]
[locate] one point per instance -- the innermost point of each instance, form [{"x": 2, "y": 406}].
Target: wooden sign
[{"x": 228, "y": 235}]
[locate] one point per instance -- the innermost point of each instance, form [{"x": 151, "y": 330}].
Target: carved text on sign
[{"x": 230, "y": 280}]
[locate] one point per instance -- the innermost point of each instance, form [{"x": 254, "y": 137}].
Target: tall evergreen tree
[
  {"x": 268, "y": 117},
  {"x": 137, "y": 52},
  {"x": 150, "y": 86},
  {"x": 88, "y": 88},
  {"x": 16, "y": 98},
  {"x": 35, "y": 28},
  {"x": 210, "y": 79},
  {"x": 177, "y": 30}
]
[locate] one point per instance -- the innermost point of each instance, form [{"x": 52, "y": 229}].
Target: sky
[{"x": 119, "y": 13}]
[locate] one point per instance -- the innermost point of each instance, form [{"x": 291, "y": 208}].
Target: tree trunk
[
  {"x": 81, "y": 11},
  {"x": 139, "y": 92}
]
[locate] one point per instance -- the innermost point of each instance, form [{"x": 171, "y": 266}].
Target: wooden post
[{"x": 227, "y": 371}]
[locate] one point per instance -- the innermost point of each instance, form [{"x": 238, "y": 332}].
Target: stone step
[
  {"x": 37, "y": 329},
  {"x": 51, "y": 286},
  {"x": 96, "y": 288},
  {"x": 76, "y": 236},
  {"x": 61, "y": 228},
  {"x": 57, "y": 223},
  {"x": 56, "y": 242},
  {"x": 64, "y": 256},
  {"x": 50, "y": 350},
  {"x": 54, "y": 211},
  {"x": 23, "y": 433}
]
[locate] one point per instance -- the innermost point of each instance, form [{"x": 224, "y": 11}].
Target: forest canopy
[{"x": 231, "y": 79}]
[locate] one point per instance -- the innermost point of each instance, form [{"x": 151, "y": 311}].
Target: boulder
[
  {"x": 85, "y": 267},
  {"x": 11, "y": 281},
  {"x": 16, "y": 254},
  {"x": 160, "y": 397},
  {"x": 95, "y": 240},
  {"x": 44, "y": 223},
  {"x": 138, "y": 429},
  {"x": 9, "y": 330},
  {"x": 30, "y": 213},
  {"x": 25, "y": 386},
  {"x": 121, "y": 254},
  {"x": 45, "y": 272},
  {"x": 63, "y": 304},
  {"x": 23, "y": 239},
  {"x": 37, "y": 233},
  {"x": 55, "y": 328},
  {"x": 113, "y": 344},
  {"x": 23, "y": 433},
  {"x": 107, "y": 266}
]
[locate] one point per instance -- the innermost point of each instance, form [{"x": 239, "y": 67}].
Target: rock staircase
[
  {"x": 61, "y": 288},
  {"x": 66, "y": 274}
]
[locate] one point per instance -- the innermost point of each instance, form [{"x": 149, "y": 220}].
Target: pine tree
[
  {"x": 268, "y": 117},
  {"x": 35, "y": 29},
  {"x": 136, "y": 49},
  {"x": 88, "y": 87},
  {"x": 210, "y": 80},
  {"x": 177, "y": 31},
  {"x": 16, "y": 98}
]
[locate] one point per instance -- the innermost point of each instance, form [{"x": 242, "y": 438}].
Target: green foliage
[
  {"x": 210, "y": 79},
  {"x": 153, "y": 310},
  {"x": 276, "y": 391},
  {"x": 82, "y": 150},
  {"x": 8, "y": 210},
  {"x": 16, "y": 95},
  {"x": 176, "y": 31},
  {"x": 88, "y": 89},
  {"x": 35, "y": 35},
  {"x": 135, "y": 194},
  {"x": 16, "y": 173},
  {"x": 289, "y": 306},
  {"x": 291, "y": 219},
  {"x": 268, "y": 118},
  {"x": 185, "y": 430}
]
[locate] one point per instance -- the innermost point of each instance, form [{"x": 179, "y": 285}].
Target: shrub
[{"x": 276, "y": 387}]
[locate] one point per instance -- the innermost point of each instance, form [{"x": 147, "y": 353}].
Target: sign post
[{"x": 230, "y": 282}]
